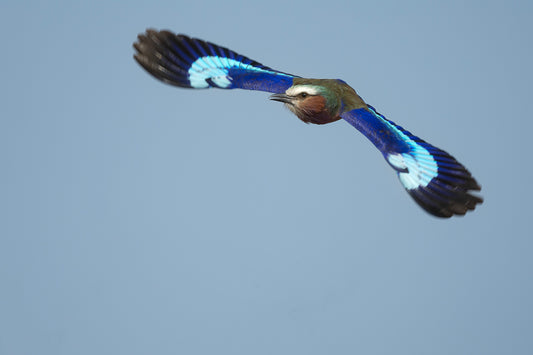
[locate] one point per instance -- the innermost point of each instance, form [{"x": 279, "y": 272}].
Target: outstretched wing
[
  {"x": 436, "y": 180},
  {"x": 193, "y": 63}
]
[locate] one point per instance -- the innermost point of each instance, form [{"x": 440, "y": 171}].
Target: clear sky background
[{"x": 138, "y": 218}]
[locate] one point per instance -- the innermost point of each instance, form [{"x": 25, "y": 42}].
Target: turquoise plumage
[{"x": 435, "y": 180}]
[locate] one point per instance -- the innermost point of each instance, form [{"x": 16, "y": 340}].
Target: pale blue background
[{"x": 137, "y": 218}]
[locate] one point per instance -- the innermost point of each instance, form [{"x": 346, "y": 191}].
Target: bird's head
[{"x": 311, "y": 102}]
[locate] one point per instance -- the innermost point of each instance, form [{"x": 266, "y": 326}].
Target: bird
[{"x": 441, "y": 185}]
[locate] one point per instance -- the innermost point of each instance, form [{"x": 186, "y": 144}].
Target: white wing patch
[
  {"x": 420, "y": 165},
  {"x": 417, "y": 167},
  {"x": 205, "y": 68},
  {"x": 216, "y": 69}
]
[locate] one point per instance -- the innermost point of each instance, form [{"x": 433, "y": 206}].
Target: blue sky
[{"x": 138, "y": 218}]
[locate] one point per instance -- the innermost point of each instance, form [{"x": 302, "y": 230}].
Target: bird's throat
[{"x": 314, "y": 110}]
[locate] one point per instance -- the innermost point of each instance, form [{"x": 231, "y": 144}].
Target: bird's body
[
  {"x": 436, "y": 181},
  {"x": 320, "y": 101}
]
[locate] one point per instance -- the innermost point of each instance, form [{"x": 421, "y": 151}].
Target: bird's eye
[{"x": 303, "y": 95}]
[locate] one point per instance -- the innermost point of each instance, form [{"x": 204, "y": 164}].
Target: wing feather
[
  {"x": 434, "y": 179},
  {"x": 193, "y": 63}
]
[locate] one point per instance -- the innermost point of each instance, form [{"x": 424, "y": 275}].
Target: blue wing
[
  {"x": 192, "y": 63},
  {"x": 435, "y": 180}
]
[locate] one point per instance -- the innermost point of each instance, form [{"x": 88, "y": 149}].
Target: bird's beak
[{"x": 281, "y": 98}]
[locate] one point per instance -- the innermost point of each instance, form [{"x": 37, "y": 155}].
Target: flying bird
[{"x": 435, "y": 180}]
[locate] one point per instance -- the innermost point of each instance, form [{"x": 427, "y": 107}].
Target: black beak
[{"x": 281, "y": 98}]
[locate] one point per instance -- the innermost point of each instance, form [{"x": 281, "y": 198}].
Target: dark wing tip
[
  {"x": 449, "y": 194},
  {"x": 159, "y": 54}
]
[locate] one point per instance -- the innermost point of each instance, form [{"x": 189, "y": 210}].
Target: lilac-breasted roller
[{"x": 434, "y": 179}]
